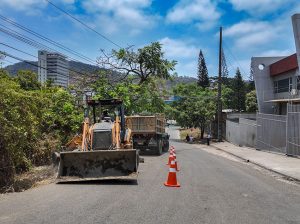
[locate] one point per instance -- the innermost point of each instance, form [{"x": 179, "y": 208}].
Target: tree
[
  {"x": 145, "y": 63},
  {"x": 227, "y": 100},
  {"x": 203, "y": 79},
  {"x": 2, "y": 57},
  {"x": 137, "y": 98},
  {"x": 224, "y": 69},
  {"x": 250, "y": 84},
  {"x": 251, "y": 101},
  {"x": 196, "y": 106},
  {"x": 28, "y": 80},
  {"x": 238, "y": 87},
  {"x": 34, "y": 123}
]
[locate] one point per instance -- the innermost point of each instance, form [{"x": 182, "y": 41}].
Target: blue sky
[{"x": 251, "y": 28}]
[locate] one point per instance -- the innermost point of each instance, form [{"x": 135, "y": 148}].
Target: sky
[{"x": 184, "y": 27}]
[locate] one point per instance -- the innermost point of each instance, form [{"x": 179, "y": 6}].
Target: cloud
[
  {"x": 184, "y": 52},
  {"x": 115, "y": 14},
  {"x": 24, "y": 5},
  {"x": 68, "y": 1},
  {"x": 202, "y": 12},
  {"x": 252, "y": 34},
  {"x": 272, "y": 53},
  {"x": 259, "y": 7},
  {"x": 178, "y": 49}
]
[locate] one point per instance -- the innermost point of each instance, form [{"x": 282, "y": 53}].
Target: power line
[
  {"x": 37, "y": 58},
  {"x": 29, "y": 41},
  {"x": 30, "y": 63},
  {"x": 46, "y": 39},
  {"x": 82, "y": 23},
  {"x": 236, "y": 60}
]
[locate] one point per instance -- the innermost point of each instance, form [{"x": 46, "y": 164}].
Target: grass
[{"x": 195, "y": 132}]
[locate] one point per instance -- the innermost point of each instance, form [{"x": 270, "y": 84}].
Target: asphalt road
[{"x": 213, "y": 190}]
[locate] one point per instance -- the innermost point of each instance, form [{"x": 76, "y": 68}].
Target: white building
[
  {"x": 53, "y": 66},
  {"x": 277, "y": 79}
]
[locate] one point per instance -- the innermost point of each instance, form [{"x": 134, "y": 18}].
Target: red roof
[{"x": 284, "y": 65}]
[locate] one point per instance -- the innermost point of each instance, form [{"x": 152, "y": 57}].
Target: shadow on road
[{"x": 101, "y": 182}]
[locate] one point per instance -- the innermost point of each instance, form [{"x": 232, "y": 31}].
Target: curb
[{"x": 288, "y": 177}]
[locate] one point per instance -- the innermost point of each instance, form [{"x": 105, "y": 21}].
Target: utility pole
[{"x": 220, "y": 90}]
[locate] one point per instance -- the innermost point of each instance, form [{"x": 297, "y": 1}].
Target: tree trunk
[
  {"x": 202, "y": 131},
  {"x": 7, "y": 171}
]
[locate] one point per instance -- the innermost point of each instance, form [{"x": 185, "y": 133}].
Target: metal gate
[
  {"x": 271, "y": 132},
  {"x": 293, "y": 130}
]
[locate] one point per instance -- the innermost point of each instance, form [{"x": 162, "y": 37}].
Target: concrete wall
[
  {"x": 241, "y": 115},
  {"x": 242, "y": 133}
]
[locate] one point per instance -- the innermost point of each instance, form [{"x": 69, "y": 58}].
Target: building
[
  {"x": 277, "y": 79},
  {"x": 277, "y": 82},
  {"x": 53, "y": 66}
]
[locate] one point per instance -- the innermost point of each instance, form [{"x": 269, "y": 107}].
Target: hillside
[{"x": 89, "y": 69}]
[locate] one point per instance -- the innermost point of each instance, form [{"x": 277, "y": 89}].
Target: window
[
  {"x": 283, "y": 85},
  {"x": 298, "y": 82}
]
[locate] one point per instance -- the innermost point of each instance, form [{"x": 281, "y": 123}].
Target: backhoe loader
[{"x": 103, "y": 150}]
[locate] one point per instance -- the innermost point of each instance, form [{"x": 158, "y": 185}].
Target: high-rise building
[{"x": 53, "y": 66}]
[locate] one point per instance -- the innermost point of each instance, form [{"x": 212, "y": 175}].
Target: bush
[{"x": 34, "y": 122}]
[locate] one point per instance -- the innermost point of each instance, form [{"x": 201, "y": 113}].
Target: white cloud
[
  {"x": 113, "y": 14},
  {"x": 252, "y": 34},
  {"x": 272, "y": 53},
  {"x": 184, "y": 52},
  {"x": 178, "y": 48},
  {"x": 68, "y": 1},
  {"x": 203, "y": 12},
  {"x": 24, "y": 5},
  {"x": 256, "y": 7}
]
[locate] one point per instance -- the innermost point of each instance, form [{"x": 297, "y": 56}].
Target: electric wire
[
  {"x": 30, "y": 63},
  {"x": 236, "y": 60},
  {"x": 11, "y": 47},
  {"x": 82, "y": 23},
  {"x": 46, "y": 39}
]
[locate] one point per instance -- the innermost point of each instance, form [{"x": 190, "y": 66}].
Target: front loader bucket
[{"x": 98, "y": 165}]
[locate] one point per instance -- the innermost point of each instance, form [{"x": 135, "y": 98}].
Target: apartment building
[{"x": 53, "y": 66}]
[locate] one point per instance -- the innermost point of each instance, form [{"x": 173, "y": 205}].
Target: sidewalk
[{"x": 287, "y": 166}]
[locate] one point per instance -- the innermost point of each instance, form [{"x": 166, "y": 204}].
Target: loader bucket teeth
[{"x": 97, "y": 165}]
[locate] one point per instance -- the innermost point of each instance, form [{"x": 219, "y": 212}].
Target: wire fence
[
  {"x": 293, "y": 130},
  {"x": 271, "y": 132},
  {"x": 280, "y": 133}
]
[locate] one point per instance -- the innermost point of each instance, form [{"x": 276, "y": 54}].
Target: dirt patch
[{"x": 35, "y": 177}]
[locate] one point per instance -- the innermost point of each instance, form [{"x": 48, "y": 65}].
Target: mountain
[
  {"x": 87, "y": 69},
  {"x": 74, "y": 65}
]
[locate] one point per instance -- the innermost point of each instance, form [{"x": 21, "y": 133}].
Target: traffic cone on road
[
  {"x": 172, "y": 179},
  {"x": 172, "y": 156}
]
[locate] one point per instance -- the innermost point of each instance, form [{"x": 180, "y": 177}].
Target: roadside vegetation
[{"x": 37, "y": 120}]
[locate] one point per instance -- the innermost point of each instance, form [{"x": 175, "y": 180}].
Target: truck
[{"x": 148, "y": 133}]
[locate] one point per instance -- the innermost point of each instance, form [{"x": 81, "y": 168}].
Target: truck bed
[{"x": 146, "y": 124}]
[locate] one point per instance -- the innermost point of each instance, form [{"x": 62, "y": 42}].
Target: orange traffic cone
[
  {"x": 170, "y": 159},
  {"x": 172, "y": 179},
  {"x": 174, "y": 156}
]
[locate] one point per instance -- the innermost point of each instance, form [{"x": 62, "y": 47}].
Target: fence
[
  {"x": 271, "y": 132},
  {"x": 293, "y": 130},
  {"x": 280, "y": 133}
]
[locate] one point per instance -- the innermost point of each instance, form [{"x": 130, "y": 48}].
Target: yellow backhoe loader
[{"x": 103, "y": 151}]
